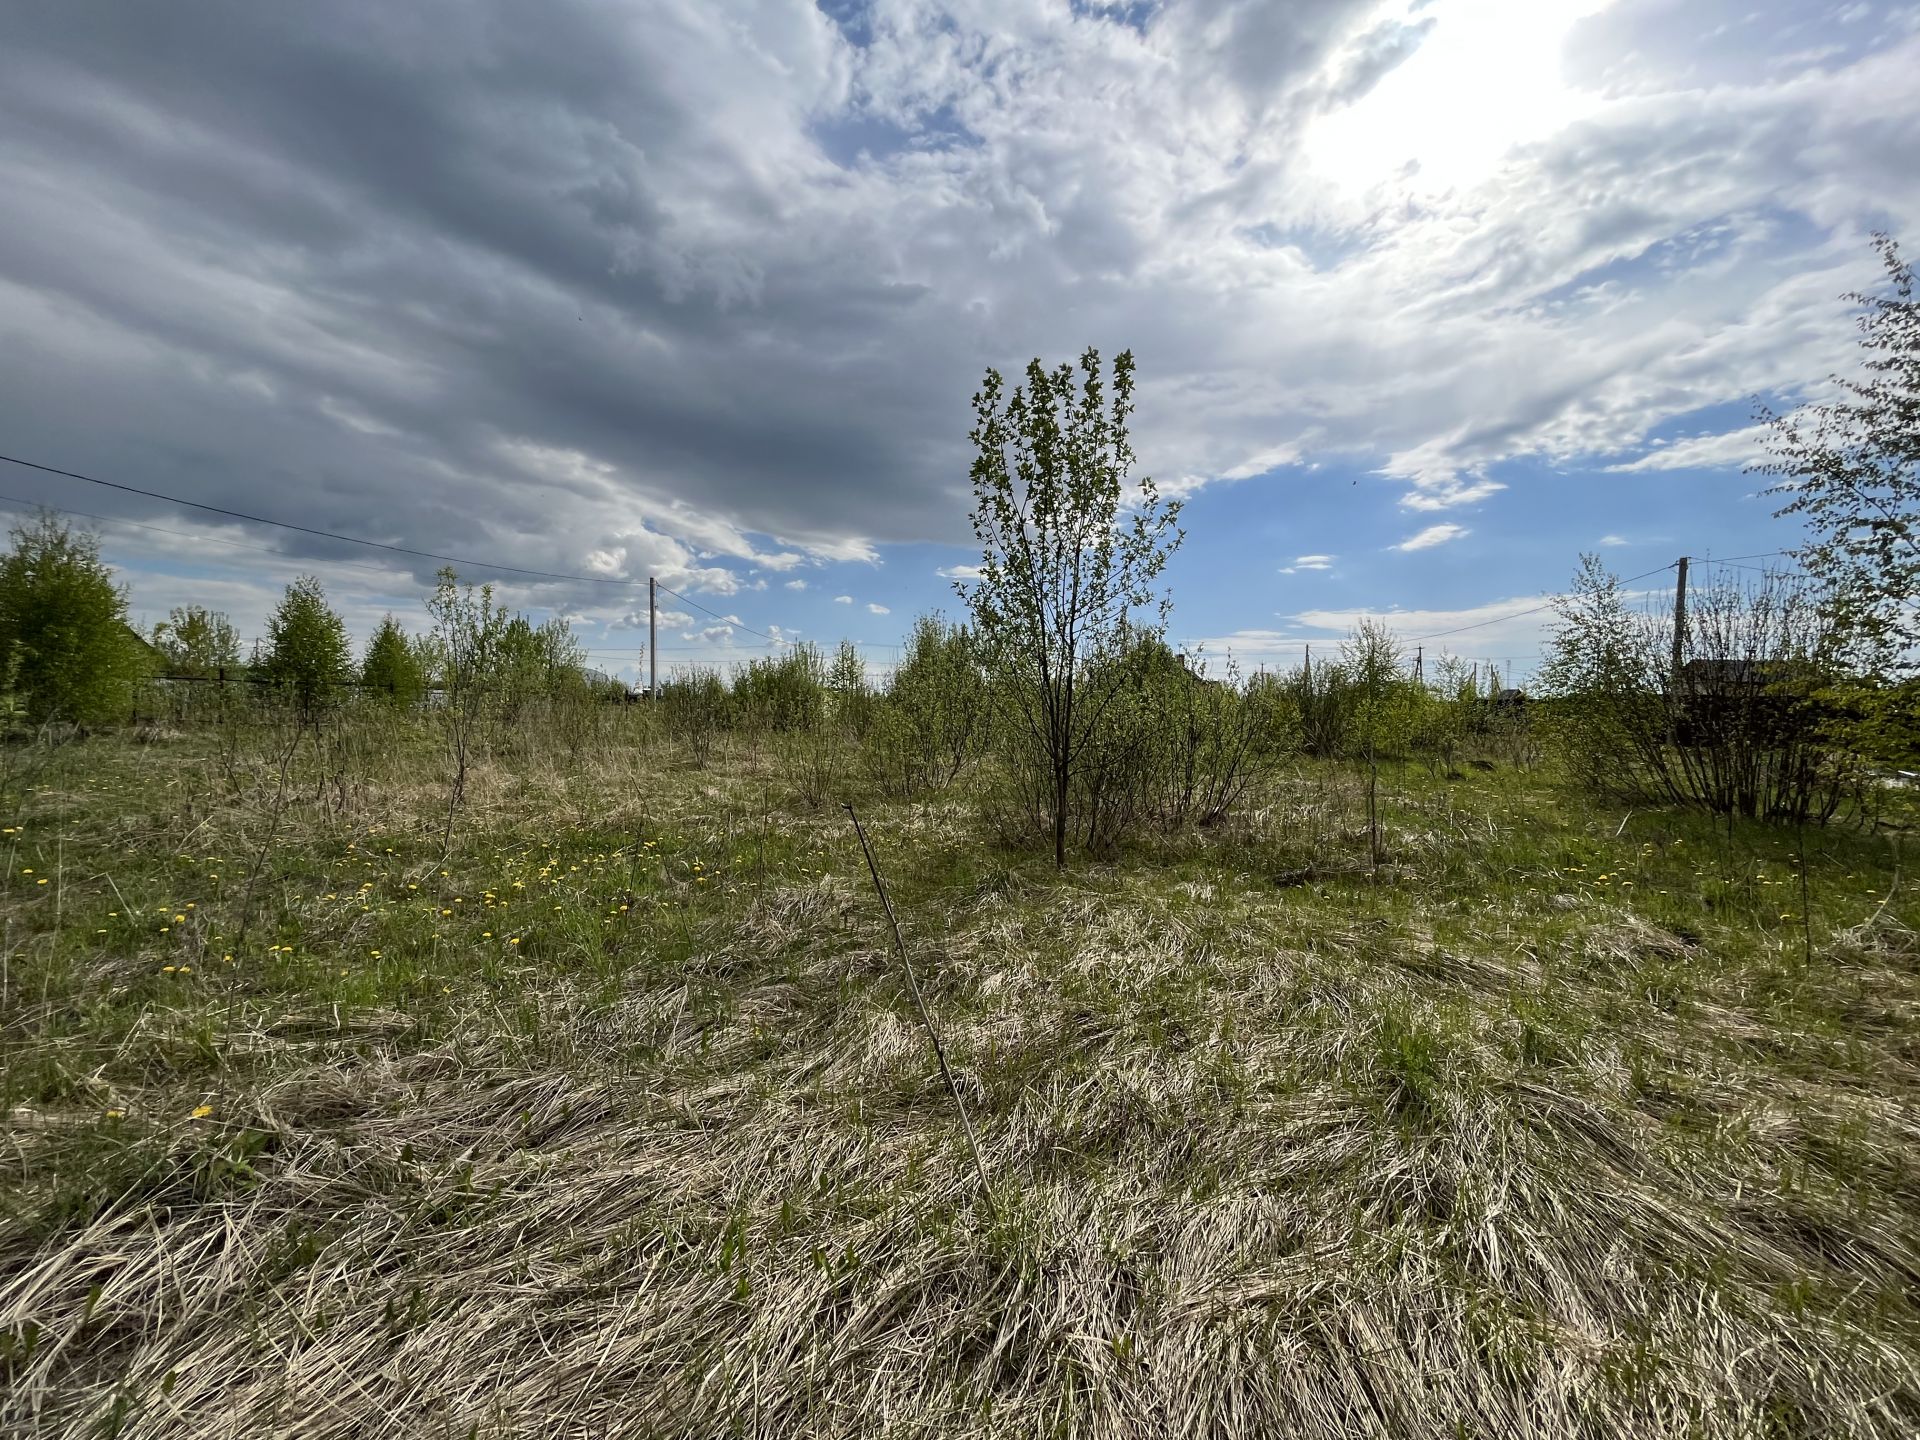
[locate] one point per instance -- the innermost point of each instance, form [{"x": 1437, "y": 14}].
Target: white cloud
[
  {"x": 1573, "y": 223},
  {"x": 843, "y": 599},
  {"x": 873, "y": 609},
  {"x": 1730, "y": 451},
  {"x": 796, "y": 585},
  {"x": 1445, "y": 494},
  {"x": 959, "y": 572},
  {"x": 1308, "y": 562},
  {"x": 1612, "y": 540},
  {"x": 1431, "y": 536}
]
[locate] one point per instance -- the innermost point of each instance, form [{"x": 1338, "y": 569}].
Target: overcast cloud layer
[{"x": 700, "y": 289}]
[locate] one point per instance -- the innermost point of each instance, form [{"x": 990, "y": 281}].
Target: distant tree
[
  {"x": 64, "y": 635},
  {"x": 852, "y": 695},
  {"x": 1070, "y": 549},
  {"x": 1852, "y": 469},
  {"x": 306, "y": 654},
  {"x": 395, "y": 666},
  {"x": 196, "y": 641}
]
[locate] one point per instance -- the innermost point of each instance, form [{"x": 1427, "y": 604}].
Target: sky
[{"x": 1427, "y": 297}]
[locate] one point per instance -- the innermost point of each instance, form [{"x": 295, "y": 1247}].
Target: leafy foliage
[
  {"x": 306, "y": 652},
  {"x": 935, "y": 720},
  {"x": 198, "y": 642},
  {"x": 395, "y": 666},
  {"x": 1069, "y": 551},
  {"x": 1852, "y": 468},
  {"x": 63, "y": 628}
]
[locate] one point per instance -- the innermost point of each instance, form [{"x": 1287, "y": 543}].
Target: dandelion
[
  {"x": 374, "y": 953},
  {"x": 179, "y": 919},
  {"x": 201, "y": 1112},
  {"x": 168, "y": 969},
  {"x": 41, "y": 881},
  {"x": 115, "y": 1114},
  {"x": 27, "y": 871}
]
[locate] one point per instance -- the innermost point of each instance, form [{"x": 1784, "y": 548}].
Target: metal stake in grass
[{"x": 920, "y": 1004}]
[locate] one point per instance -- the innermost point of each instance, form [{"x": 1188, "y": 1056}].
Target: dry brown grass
[{"x": 1337, "y": 1159}]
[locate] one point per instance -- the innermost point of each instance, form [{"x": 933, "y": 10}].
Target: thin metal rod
[{"x": 920, "y": 1004}]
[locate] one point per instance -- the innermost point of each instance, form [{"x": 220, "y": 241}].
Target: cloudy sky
[{"x": 1427, "y": 296}]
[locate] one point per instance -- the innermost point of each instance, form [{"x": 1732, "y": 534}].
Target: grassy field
[{"x": 614, "y": 1117}]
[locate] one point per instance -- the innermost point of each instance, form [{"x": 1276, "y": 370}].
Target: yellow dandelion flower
[{"x": 201, "y": 1112}]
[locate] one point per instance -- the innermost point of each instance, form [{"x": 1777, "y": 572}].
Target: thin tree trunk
[{"x": 1060, "y": 816}]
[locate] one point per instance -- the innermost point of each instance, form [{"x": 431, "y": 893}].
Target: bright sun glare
[{"x": 1488, "y": 77}]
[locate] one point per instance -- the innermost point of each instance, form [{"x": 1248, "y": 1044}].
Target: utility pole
[
  {"x": 1679, "y": 619},
  {"x": 1306, "y": 669},
  {"x": 653, "y": 645},
  {"x": 1419, "y": 664}
]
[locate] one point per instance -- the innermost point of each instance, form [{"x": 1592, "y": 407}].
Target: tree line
[
  {"x": 71, "y": 653},
  {"x": 1059, "y": 698}
]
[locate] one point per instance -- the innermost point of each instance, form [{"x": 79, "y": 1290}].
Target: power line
[
  {"x": 178, "y": 534},
  {"x": 346, "y": 539},
  {"x": 1518, "y": 614},
  {"x": 324, "y": 534},
  {"x": 726, "y": 619}
]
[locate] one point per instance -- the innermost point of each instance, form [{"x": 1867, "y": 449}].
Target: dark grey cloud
[{"x": 682, "y": 285}]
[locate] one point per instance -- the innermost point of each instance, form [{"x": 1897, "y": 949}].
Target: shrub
[
  {"x": 395, "y": 667},
  {"x": 306, "y": 656},
  {"x": 694, "y": 708},
  {"x": 934, "y": 719},
  {"x": 199, "y": 643},
  {"x": 63, "y": 628},
  {"x": 1746, "y": 726},
  {"x": 782, "y": 692}
]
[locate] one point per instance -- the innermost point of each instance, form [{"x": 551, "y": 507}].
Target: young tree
[
  {"x": 63, "y": 627},
  {"x": 469, "y": 630},
  {"x": 395, "y": 667},
  {"x": 1852, "y": 468},
  {"x": 1063, "y": 568},
  {"x": 306, "y": 652},
  {"x": 852, "y": 695},
  {"x": 196, "y": 641}
]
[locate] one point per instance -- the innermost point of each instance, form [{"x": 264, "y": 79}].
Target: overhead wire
[
  {"x": 342, "y": 537},
  {"x": 323, "y": 534}
]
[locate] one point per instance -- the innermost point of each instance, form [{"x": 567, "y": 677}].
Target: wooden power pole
[
  {"x": 653, "y": 644},
  {"x": 1679, "y": 620}
]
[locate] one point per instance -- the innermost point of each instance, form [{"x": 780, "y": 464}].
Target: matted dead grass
[{"x": 1323, "y": 1160}]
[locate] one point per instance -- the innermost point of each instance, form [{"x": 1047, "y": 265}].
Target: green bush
[
  {"x": 64, "y": 634},
  {"x": 782, "y": 692},
  {"x": 395, "y": 666},
  {"x": 306, "y": 657},
  {"x": 934, "y": 719},
  {"x": 695, "y": 707}
]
